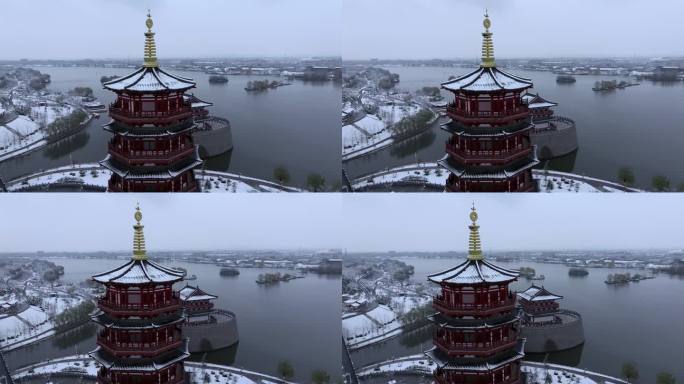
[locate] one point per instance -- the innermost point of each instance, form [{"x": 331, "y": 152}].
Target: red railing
[
  {"x": 103, "y": 379},
  {"x": 485, "y": 379},
  {"x": 486, "y": 117},
  {"x": 157, "y": 157},
  {"x": 138, "y": 309},
  {"x": 494, "y": 157},
  {"x": 475, "y": 348},
  {"x": 145, "y": 117},
  {"x": 144, "y": 349},
  {"x": 472, "y": 309}
]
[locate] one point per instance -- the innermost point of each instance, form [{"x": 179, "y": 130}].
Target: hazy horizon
[
  {"x": 430, "y": 29},
  {"x": 96, "y": 29}
]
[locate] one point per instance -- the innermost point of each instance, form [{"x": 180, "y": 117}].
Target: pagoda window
[
  {"x": 134, "y": 296},
  {"x": 149, "y": 145},
  {"x": 468, "y": 298},
  {"x": 148, "y": 106}
]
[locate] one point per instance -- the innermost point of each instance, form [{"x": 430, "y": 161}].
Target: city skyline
[{"x": 443, "y": 29}]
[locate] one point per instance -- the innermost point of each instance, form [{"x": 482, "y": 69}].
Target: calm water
[
  {"x": 640, "y": 322},
  {"x": 639, "y": 127},
  {"x": 296, "y": 126},
  {"x": 298, "y": 321}
]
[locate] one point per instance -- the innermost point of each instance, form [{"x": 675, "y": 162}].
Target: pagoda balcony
[
  {"x": 102, "y": 378},
  {"x": 489, "y": 157},
  {"x": 488, "y": 117},
  {"x": 475, "y": 349},
  {"x": 147, "y": 117},
  {"x": 141, "y": 349},
  {"x": 132, "y": 158},
  {"x": 440, "y": 379},
  {"x": 141, "y": 309},
  {"x": 473, "y": 309}
]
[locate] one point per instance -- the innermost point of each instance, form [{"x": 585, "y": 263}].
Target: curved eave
[
  {"x": 140, "y": 364},
  {"x": 149, "y": 79},
  {"x": 446, "y": 323},
  {"x": 475, "y": 365},
  {"x": 145, "y": 132},
  {"x": 485, "y": 79},
  {"x": 472, "y": 272},
  {"x": 126, "y": 275},
  {"x": 108, "y": 322},
  {"x": 475, "y": 173}
]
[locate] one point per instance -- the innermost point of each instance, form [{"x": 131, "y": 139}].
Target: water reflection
[
  {"x": 571, "y": 357},
  {"x": 410, "y": 146},
  {"x": 225, "y": 356},
  {"x": 67, "y": 145},
  {"x": 563, "y": 163}
]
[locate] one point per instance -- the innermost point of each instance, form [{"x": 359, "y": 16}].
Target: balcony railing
[
  {"x": 477, "y": 349},
  {"x": 157, "y": 157},
  {"x": 139, "y": 309},
  {"x": 142, "y": 117},
  {"x": 473, "y": 309},
  {"x": 102, "y": 378},
  {"x": 486, "y": 117},
  {"x": 441, "y": 379},
  {"x": 144, "y": 349},
  {"x": 492, "y": 157}
]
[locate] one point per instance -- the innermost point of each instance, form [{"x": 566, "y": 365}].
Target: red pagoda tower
[
  {"x": 141, "y": 340},
  {"x": 152, "y": 149},
  {"x": 477, "y": 324},
  {"x": 489, "y": 149}
]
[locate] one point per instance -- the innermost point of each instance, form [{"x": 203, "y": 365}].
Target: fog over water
[{"x": 424, "y": 29}]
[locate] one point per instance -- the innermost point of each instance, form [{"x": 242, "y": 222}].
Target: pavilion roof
[
  {"x": 488, "y": 79},
  {"x": 478, "y": 365},
  {"x": 150, "y": 79},
  {"x": 535, "y": 293},
  {"x": 475, "y": 269},
  {"x": 190, "y": 293},
  {"x": 535, "y": 101},
  {"x": 140, "y": 364}
]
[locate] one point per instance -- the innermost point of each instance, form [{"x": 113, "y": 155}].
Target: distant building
[{"x": 207, "y": 327}]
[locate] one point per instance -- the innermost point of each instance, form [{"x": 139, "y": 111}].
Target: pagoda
[
  {"x": 152, "y": 149},
  {"x": 477, "y": 325},
  {"x": 489, "y": 149},
  {"x": 141, "y": 339}
]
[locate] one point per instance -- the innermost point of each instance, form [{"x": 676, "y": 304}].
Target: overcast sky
[
  {"x": 439, "y": 222},
  {"x": 423, "y": 29},
  {"x": 74, "y": 29},
  {"x": 103, "y": 222}
]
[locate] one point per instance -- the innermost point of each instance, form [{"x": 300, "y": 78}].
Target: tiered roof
[
  {"x": 190, "y": 293},
  {"x": 487, "y": 78},
  {"x": 475, "y": 269},
  {"x": 150, "y": 77},
  {"x": 535, "y": 293},
  {"x": 535, "y": 101},
  {"x": 139, "y": 270},
  {"x": 139, "y": 364},
  {"x": 196, "y": 102},
  {"x": 477, "y": 365}
]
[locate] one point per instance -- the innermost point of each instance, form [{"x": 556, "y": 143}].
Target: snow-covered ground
[
  {"x": 95, "y": 175},
  {"x": 199, "y": 372},
  {"x": 377, "y": 324},
  {"x": 433, "y": 174},
  {"x": 560, "y": 374}
]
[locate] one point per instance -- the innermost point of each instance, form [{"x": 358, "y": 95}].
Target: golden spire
[
  {"x": 474, "y": 250},
  {"x": 138, "y": 237},
  {"x": 487, "y": 44},
  {"x": 150, "y": 47}
]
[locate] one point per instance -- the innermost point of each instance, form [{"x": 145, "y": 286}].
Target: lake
[
  {"x": 297, "y": 321},
  {"x": 639, "y": 322},
  {"x": 295, "y": 126},
  {"x": 639, "y": 127}
]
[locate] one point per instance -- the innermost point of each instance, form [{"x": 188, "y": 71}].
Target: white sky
[
  {"x": 424, "y": 29},
  {"x": 76, "y": 29},
  {"x": 103, "y": 222},
  {"x": 439, "y": 222}
]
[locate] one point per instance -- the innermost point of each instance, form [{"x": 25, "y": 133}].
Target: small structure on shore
[
  {"x": 553, "y": 135},
  {"x": 546, "y": 327},
  {"x": 212, "y": 134},
  {"x": 208, "y": 328}
]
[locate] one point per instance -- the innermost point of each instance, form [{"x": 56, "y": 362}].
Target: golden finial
[
  {"x": 150, "y": 58},
  {"x": 139, "y": 252},
  {"x": 487, "y": 44},
  {"x": 474, "y": 247}
]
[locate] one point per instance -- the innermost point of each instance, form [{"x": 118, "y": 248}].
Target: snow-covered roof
[
  {"x": 190, "y": 293},
  {"x": 486, "y": 79},
  {"x": 148, "y": 323},
  {"x": 534, "y": 101},
  {"x": 479, "y": 365},
  {"x": 196, "y": 102},
  {"x": 140, "y": 272},
  {"x": 474, "y": 272},
  {"x": 535, "y": 293},
  {"x": 140, "y": 364},
  {"x": 150, "y": 79}
]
